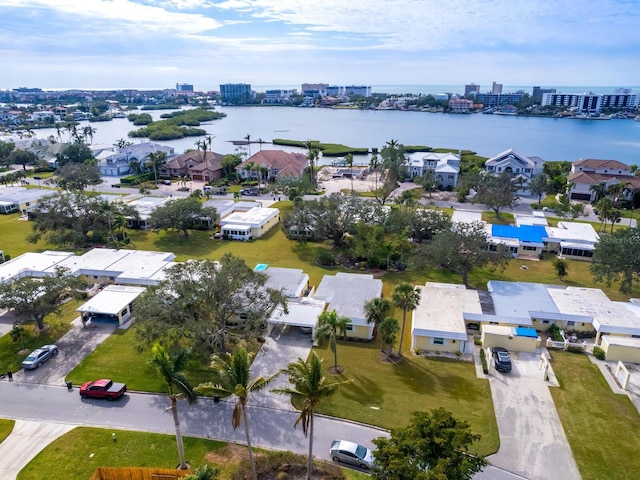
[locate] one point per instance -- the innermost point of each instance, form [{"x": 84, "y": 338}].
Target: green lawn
[
  {"x": 10, "y": 356},
  {"x": 75, "y": 455},
  {"x": 6, "y": 426},
  {"x": 602, "y": 427},
  {"x": 506, "y": 218},
  {"x": 385, "y": 394}
]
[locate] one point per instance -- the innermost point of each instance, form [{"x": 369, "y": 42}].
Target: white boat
[
  {"x": 591, "y": 117},
  {"x": 637, "y": 119}
]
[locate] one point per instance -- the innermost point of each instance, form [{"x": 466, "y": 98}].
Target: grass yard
[
  {"x": 120, "y": 358},
  {"x": 602, "y": 427},
  {"x": 10, "y": 356},
  {"x": 385, "y": 394},
  {"x": 506, "y": 218},
  {"x": 6, "y": 426},
  {"x": 75, "y": 455}
]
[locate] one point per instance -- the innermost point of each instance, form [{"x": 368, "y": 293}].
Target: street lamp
[{"x": 35, "y": 177}]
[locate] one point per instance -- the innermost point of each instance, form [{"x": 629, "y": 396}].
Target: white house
[
  {"x": 114, "y": 304},
  {"x": 445, "y": 165},
  {"x": 517, "y": 164},
  {"x": 119, "y": 163},
  {"x": 250, "y": 224}
]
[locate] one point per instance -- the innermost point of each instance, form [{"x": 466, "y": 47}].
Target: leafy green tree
[
  {"x": 232, "y": 376},
  {"x": 393, "y": 160},
  {"x": 561, "y": 267},
  {"x": 388, "y": 330},
  {"x": 331, "y": 325},
  {"x": 497, "y": 192},
  {"x": 313, "y": 154},
  {"x": 424, "y": 224},
  {"x": 75, "y": 177},
  {"x": 375, "y": 311},
  {"x": 32, "y": 299},
  {"x": 538, "y": 185},
  {"x": 171, "y": 369},
  {"x": 616, "y": 258},
  {"x": 206, "y": 306},
  {"x": 5, "y": 150},
  {"x": 309, "y": 385},
  {"x": 428, "y": 181},
  {"x": 22, "y": 157},
  {"x": 182, "y": 214},
  {"x": 204, "y": 472},
  {"x": 156, "y": 160},
  {"x": 76, "y": 152},
  {"x": 461, "y": 249},
  {"x": 229, "y": 163},
  {"x": 434, "y": 446},
  {"x": 407, "y": 298},
  {"x": 17, "y": 334}
]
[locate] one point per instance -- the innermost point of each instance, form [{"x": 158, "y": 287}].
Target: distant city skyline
[{"x": 154, "y": 44}]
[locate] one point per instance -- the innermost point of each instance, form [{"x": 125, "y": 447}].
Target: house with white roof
[
  {"x": 302, "y": 312},
  {"x": 145, "y": 206},
  {"x": 438, "y": 322},
  {"x": 346, "y": 293},
  {"x": 518, "y": 165},
  {"x": 114, "y": 304},
  {"x": 292, "y": 282},
  {"x": 13, "y": 199},
  {"x": 249, "y": 225},
  {"x": 446, "y": 166},
  {"x": 32, "y": 264}
]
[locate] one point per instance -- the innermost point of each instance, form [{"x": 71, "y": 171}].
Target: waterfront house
[
  {"x": 587, "y": 174},
  {"x": 119, "y": 163},
  {"x": 277, "y": 162},
  {"x": 445, "y": 165},
  {"x": 196, "y": 165},
  {"x": 518, "y": 165}
]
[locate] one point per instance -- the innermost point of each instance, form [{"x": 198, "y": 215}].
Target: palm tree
[
  {"x": 348, "y": 160},
  {"x": 232, "y": 377},
  {"x": 375, "y": 310},
  {"x": 248, "y": 139},
  {"x": 310, "y": 386},
  {"x": 389, "y": 333},
  {"x": 171, "y": 369},
  {"x": 313, "y": 153},
  {"x": 407, "y": 298},
  {"x": 331, "y": 325},
  {"x": 156, "y": 160},
  {"x": 88, "y": 132},
  {"x": 374, "y": 164},
  {"x": 59, "y": 130},
  {"x": 599, "y": 190},
  {"x": 264, "y": 170},
  {"x": 260, "y": 142}
]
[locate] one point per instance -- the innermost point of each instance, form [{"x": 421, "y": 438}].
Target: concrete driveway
[
  {"x": 532, "y": 441},
  {"x": 282, "y": 347},
  {"x": 73, "y": 347}
]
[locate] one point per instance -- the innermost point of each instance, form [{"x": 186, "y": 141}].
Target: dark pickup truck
[{"x": 103, "y": 388}]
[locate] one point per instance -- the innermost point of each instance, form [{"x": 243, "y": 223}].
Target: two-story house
[
  {"x": 587, "y": 174},
  {"x": 518, "y": 165},
  {"x": 445, "y": 165},
  {"x": 196, "y": 164},
  {"x": 120, "y": 163},
  {"x": 277, "y": 163}
]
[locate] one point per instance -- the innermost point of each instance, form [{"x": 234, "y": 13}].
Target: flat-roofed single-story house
[
  {"x": 572, "y": 240},
  {"x": 529, "y": 239},
  {"x": 346, "y": 293},
  {"x": 292, "y": 282},
  {"x": 249, "y": 225},
  {"x": 437, "y": 323},
  {"x": 302, "y": 312},
  {"x": 145, "y": 206},
  {"x": 21, "y": 198},
  {"x": 8, "y": 207},
  {"x": 32, "y": 264},
  {"x": 621, "y": 349},
  {"x": 516, "y": 339},
  {"x": 114, "y": 304}
]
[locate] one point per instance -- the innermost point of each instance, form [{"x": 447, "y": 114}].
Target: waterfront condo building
[
  {"x": 471, "y": 89},
  {"x": 184, "y": 87},
  {"x": 278, "y": 96},
  {"x": 235, "y": 93},
  {"x": 460, "y": 105}
]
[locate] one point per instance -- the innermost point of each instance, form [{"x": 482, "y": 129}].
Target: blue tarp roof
[
  {"x": 526, "y": 332},
  {"x": 524, "y": 233}
]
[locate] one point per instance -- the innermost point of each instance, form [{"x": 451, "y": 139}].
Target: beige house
[
  {"x": 196, "y": 165},
  {"x": 621, "y": 349},
  {"x": 438, "y": 322},
  {"x": 271, "y": 164},
  {"x": 514, "y": 339},
  {"x": 589, "y": 173}
]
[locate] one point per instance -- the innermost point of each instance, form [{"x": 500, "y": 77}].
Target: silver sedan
[{"x": 39, "y": 356}]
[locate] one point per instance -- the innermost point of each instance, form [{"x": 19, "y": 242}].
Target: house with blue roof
[{"x": 524, "y": 241}]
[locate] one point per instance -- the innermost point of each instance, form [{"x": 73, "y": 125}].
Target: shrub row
[{"x": 483, "y": 359}]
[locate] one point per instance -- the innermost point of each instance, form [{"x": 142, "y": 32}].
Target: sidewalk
[{"x": 25, "y": 441}]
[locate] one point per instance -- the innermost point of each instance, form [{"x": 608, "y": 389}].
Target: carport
[
  {"x": 114, "y": 304},
  {"x": 303, "y": 313}
]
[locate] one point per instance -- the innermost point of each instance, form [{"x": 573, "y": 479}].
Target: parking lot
[{"x": 532, "y": 441}]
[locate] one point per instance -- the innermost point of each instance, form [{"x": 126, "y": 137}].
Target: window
[
  {"x": 349, "y": 327},
  {"x": 437, "y": 341},
  {"x": 545, "y": 321},
  {"x": 571, "y": 324},
  {"x": 528, "y": 248}
]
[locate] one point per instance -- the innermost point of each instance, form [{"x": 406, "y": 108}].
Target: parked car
[
  {"x": 502, "y": 359},
  {"x": 39, "y": 356},
  {"x": 166, "y": 182},
  {"x": 343, "y": 451},
  {"x": 103, "y": 388},
  {"x": 250, "y": 191}
]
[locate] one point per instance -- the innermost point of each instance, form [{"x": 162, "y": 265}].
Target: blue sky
[{"x": 156, "y": 43}]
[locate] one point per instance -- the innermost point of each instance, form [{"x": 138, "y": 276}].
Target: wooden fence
[{"x": 137, "y": 473}]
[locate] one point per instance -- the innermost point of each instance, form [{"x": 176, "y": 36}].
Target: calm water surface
[{"x": 488, "y": 135}]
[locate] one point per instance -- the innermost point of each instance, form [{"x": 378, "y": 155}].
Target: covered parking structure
[
  {"x": 114, "y": 304},
  {"x": 303, "y": 313}
]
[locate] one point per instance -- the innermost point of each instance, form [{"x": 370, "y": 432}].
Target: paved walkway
[
  {"x": 532, "y": 440},
  {"x": 25, "y": 441}
]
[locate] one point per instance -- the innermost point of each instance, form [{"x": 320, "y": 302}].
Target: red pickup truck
[{"x": 103, "y": 388}]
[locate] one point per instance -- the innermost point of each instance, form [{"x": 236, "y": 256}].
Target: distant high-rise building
[
  {"x": 622, "y": 91},
  {"x": 235, "y": 93},
  {"x": 314, "y": 89},
  {"x": 362, "y": 90},
  {"x": 334, "y": 90},
  {"x": 538, "y": 92},
  {"x": 471, "y": 89},
  {"x": 184, "y": 87},
  {"x": 496, "y": 88}
]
